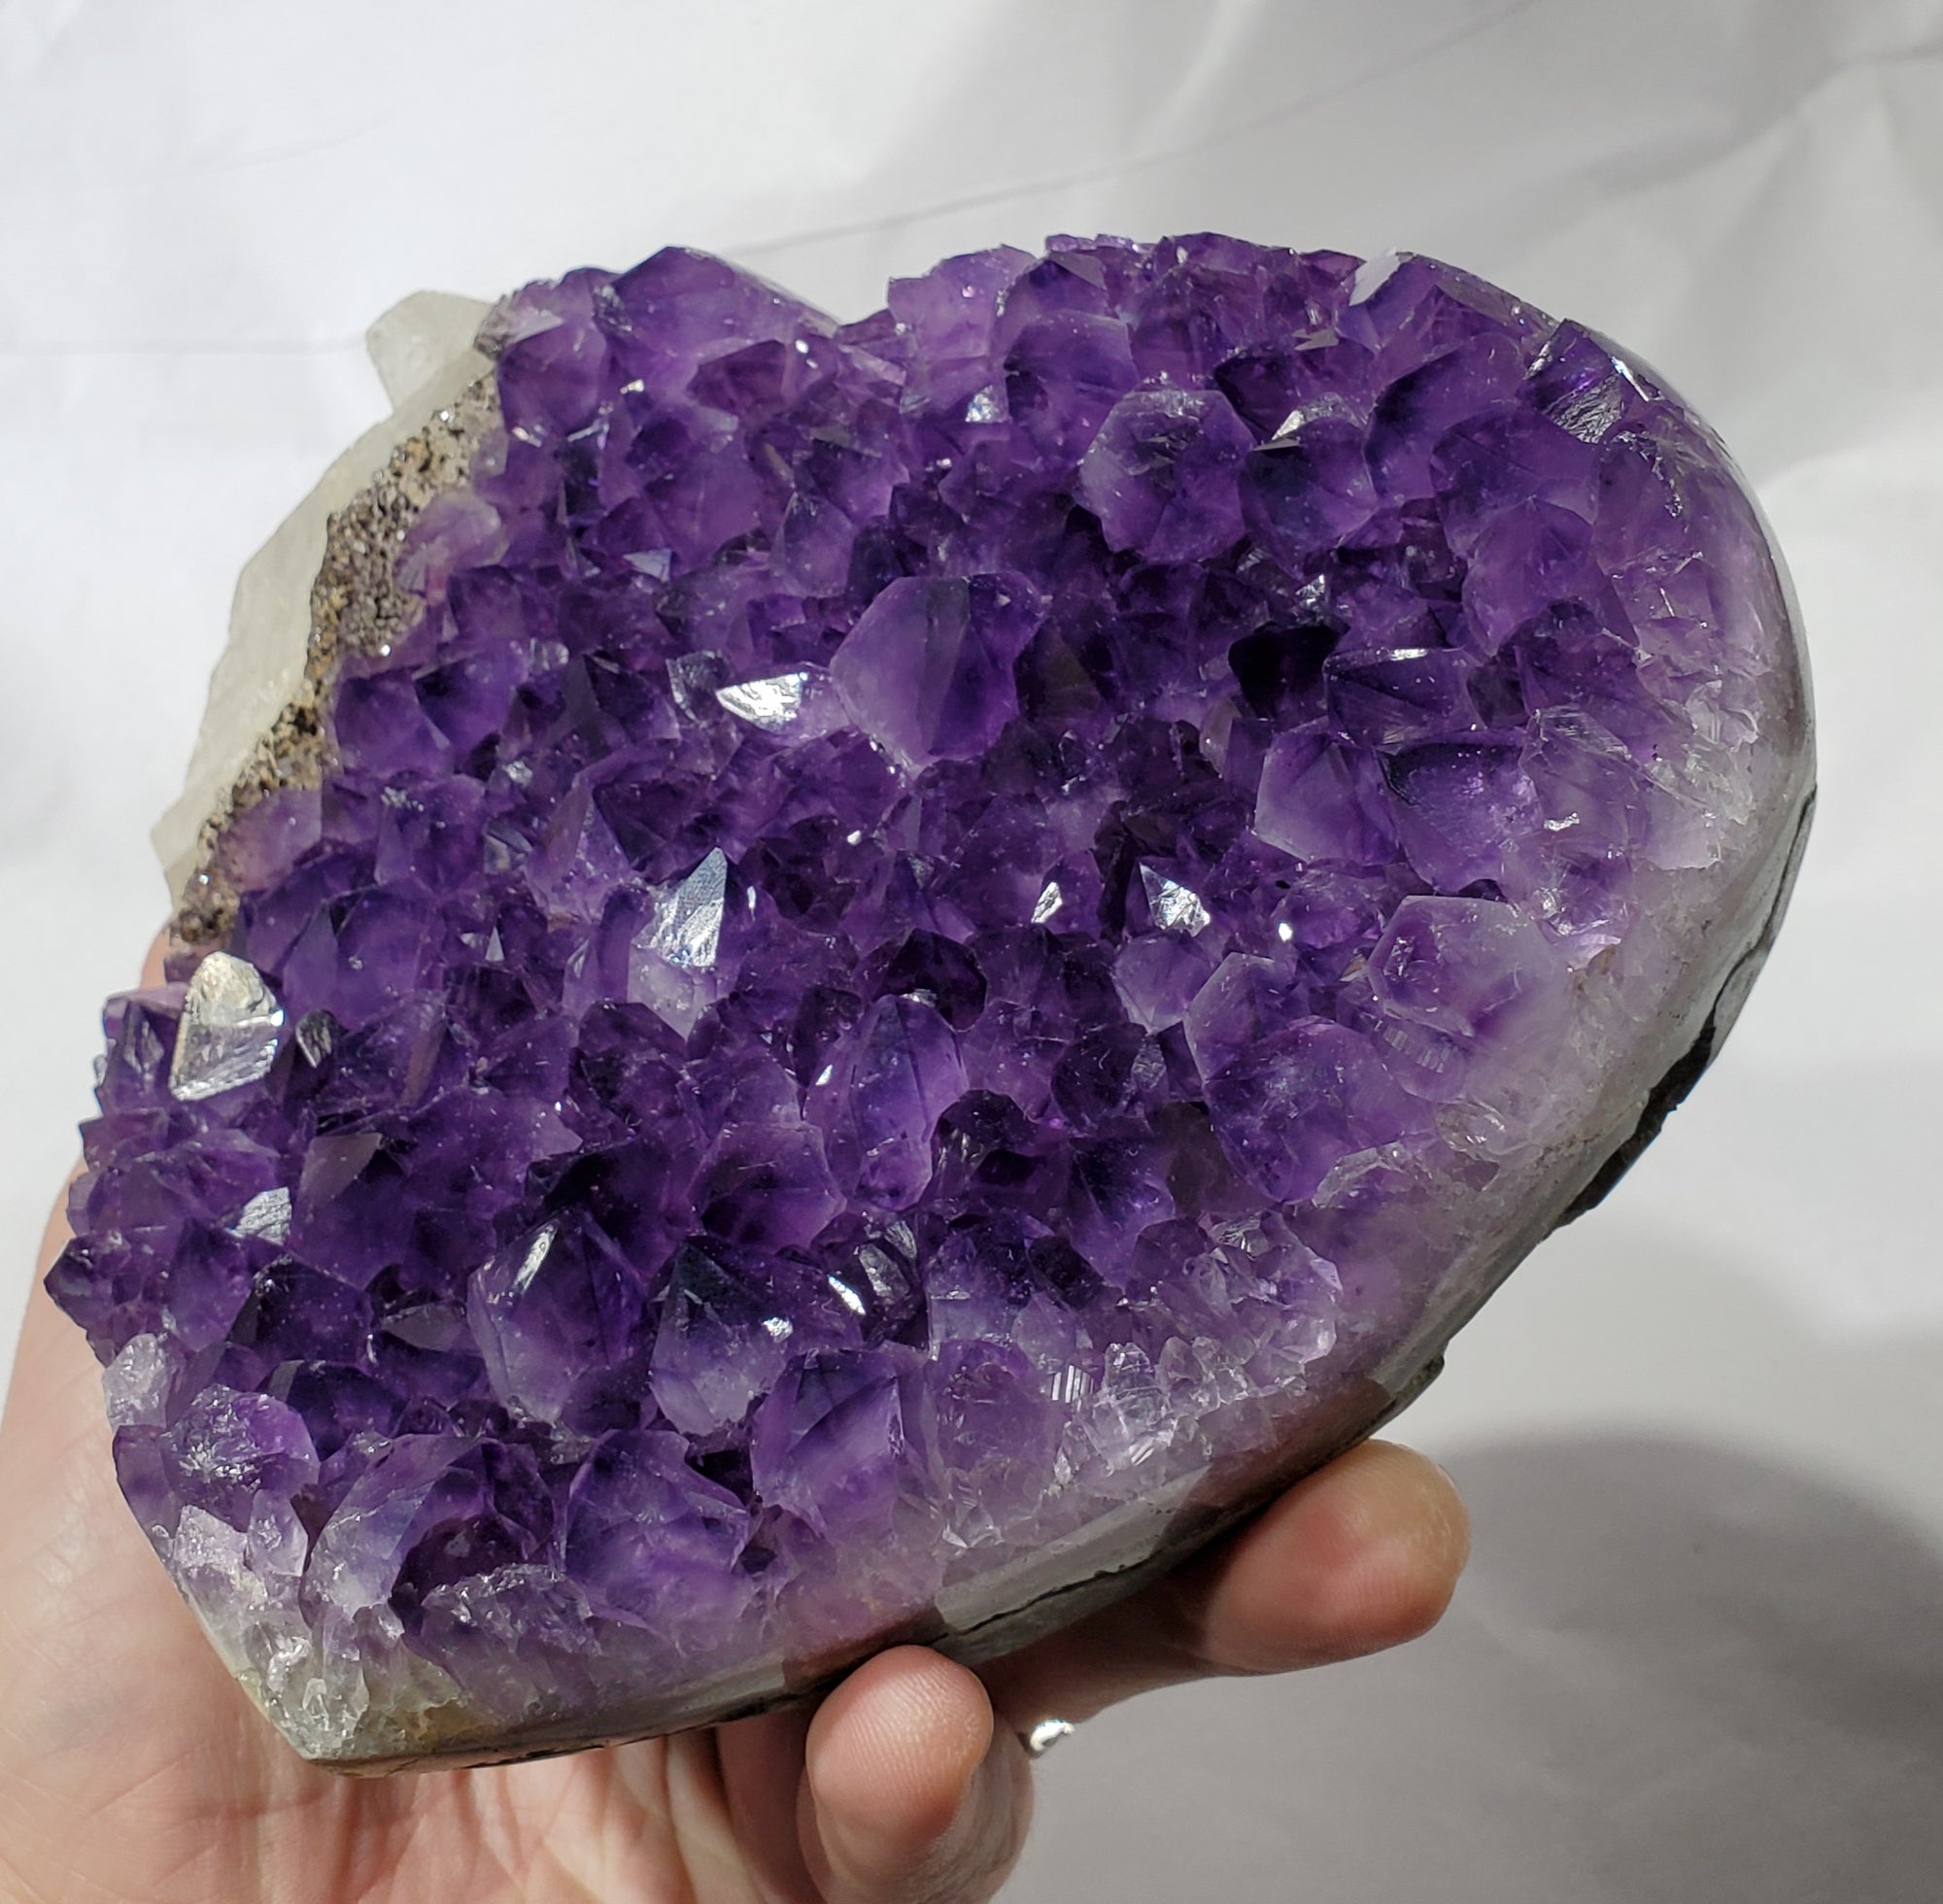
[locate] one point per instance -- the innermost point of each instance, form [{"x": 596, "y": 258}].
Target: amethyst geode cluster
[{"x": 950, "y": 944}]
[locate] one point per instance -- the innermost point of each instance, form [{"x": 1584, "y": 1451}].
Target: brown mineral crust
[{"x": 357, "y": 606}]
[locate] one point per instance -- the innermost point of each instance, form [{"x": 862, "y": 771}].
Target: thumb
[{"x": 910, "y": 1793}]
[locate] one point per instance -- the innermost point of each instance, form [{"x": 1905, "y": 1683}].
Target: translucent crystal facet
[
  {"x": 227, "y": 1034},
  {"x": 951, "y": 945}
]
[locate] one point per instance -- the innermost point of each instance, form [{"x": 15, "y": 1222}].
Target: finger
[
  {"x": 910, "y": 1791},
  {"x": 152, "y": 960},
  {"x": 55, "y": 1378},
  {"x": 1360, "y": 1555}
]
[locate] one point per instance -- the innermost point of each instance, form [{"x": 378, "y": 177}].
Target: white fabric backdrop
[{"x": 1700, "y": 1653}]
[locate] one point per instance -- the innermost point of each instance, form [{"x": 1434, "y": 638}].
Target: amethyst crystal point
[{"x": 880, "y": 971}]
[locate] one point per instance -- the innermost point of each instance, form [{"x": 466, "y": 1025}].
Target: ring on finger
[{"x": 1039, "y": 1739}]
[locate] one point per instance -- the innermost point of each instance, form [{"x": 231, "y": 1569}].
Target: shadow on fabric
[{"x": 1675, "y": 1674}]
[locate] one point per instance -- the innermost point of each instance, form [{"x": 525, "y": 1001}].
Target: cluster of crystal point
[{"x": 952, "y": 933}]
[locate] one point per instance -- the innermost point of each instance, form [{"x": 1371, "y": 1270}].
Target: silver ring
[{"x": 1040, "y": 1739}]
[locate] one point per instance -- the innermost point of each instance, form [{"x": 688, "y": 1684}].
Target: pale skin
[{"x": 133, "y": 1770}]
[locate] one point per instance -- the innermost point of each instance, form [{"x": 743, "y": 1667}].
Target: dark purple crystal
[{"x": 951, "y": 932}]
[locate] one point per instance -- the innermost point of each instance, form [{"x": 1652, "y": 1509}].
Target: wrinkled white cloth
[{"x": 1700, "y": 1654}]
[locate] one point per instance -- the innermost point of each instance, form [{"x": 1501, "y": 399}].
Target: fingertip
[
  {"x": 1412, "y": 1537},
  {"x": 902, "y": 1776},
  {"x": 1363, "y": 1556},
  {"x": 895, "y": 1745}
]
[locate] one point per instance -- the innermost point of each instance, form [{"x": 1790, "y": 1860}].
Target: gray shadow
[{"x": 1676, "y": 1673}]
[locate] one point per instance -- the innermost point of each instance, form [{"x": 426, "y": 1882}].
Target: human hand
[{"x": 133, "y": 1767}]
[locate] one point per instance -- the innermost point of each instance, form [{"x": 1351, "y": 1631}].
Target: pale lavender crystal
[
  {"x": 1163, "y": 474},
  {"x": 956, "y": 943},
  {"x": 926, "y": 670}
]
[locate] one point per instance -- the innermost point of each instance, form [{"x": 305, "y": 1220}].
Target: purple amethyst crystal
[{"x": 941, "y": 949}]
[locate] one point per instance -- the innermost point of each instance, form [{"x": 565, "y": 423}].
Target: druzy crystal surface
[{"x": 941, "y": 947}]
